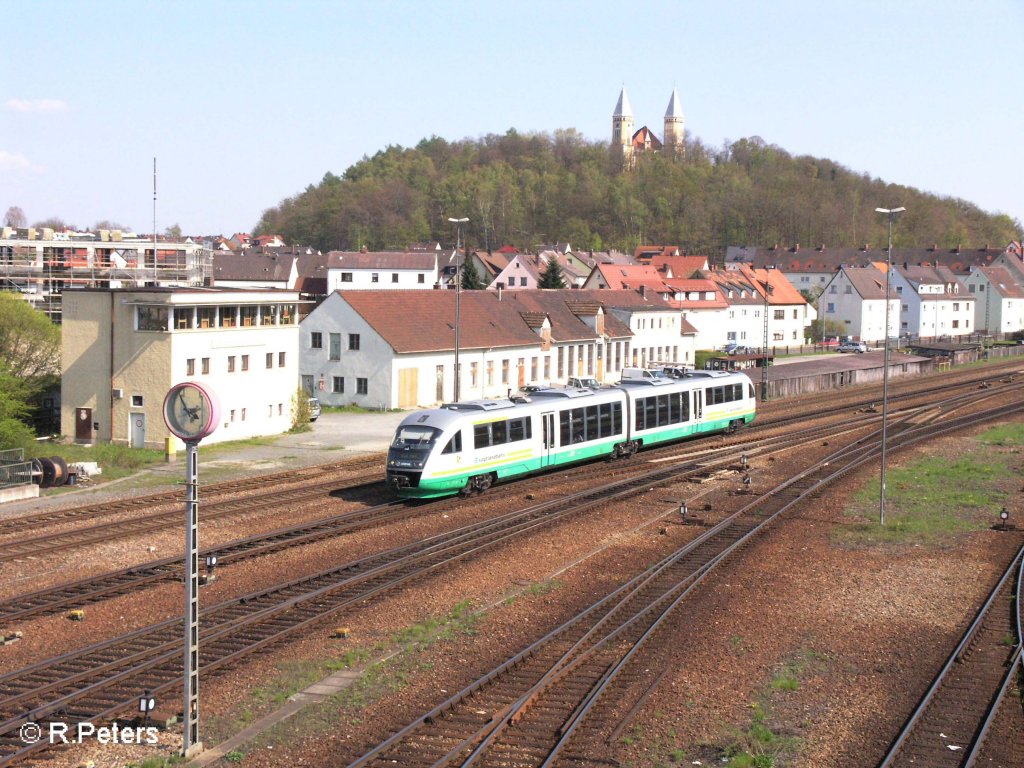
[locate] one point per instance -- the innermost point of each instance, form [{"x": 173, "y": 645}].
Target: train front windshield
[{"x": 415, "y": 437}]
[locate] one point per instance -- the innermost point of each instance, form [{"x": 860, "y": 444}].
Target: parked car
[
  {"x": 738, "y": 349},
  {"x": 314, "y": 409},
  {"x": 852, "y": 346},
  {"x": 584, "y": 383}
]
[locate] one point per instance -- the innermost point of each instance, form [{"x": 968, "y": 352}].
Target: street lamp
[
  {"x": 891, "y": 213},
  {"x": 458, "y": 293},
  {"x": 764, "y": 361}
]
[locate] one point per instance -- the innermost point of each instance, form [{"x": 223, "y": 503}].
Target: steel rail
[{"x": 510, "y": 712}]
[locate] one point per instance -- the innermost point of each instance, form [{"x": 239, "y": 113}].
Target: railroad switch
[
  {"x": 341, "y": 632},
  {"x": 76, "y": 615},
  {"x": 7, "y": 638},
  {"x": 207, "y": 578}
]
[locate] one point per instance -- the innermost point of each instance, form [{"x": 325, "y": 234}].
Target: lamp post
[
  {"x": 764, "y": 361},
  {"x": 458, "y": 294},
  {"x": 891, "y": 213}
]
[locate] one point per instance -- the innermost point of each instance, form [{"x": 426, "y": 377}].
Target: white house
[
  {"x": 933, "y": 302},
  {"x": 364, "y": 270},
  {"x": 123, "y": 349},
  {"x": 255, "y": 269},
  {"x": 999, "y": 300},
  {"x": 855, "y": 298}
]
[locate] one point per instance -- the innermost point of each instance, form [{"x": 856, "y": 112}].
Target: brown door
[
  {"x": 408, "y": 387},
  {"x": 83, "y": 424}
]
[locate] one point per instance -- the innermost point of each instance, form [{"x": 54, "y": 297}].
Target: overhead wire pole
[
  {"x": 458, "y": 294},
  {"x": 891, "y": 213}
]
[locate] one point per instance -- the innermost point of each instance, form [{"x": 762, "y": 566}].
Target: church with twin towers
[{"x": 629, "y": 143}]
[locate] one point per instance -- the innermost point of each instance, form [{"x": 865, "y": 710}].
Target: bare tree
[{"x": 15, "y": 217}]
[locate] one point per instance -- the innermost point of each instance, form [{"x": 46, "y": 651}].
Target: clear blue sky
[{"x": 246, "y": 103}]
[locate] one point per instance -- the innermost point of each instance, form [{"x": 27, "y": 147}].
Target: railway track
[
  {"x": 554, "y": 702},
  {"x": 211, "y": 492},
  {"x": 48, "y": 543},
  {"x": 104, "y": 586},
  {"x": 169, "y": 517},
  {"x": 98, "y": 682},
  {"x": 950, "y": 726}
]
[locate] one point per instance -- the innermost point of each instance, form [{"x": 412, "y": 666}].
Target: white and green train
[{"x": 467, "y": 447}]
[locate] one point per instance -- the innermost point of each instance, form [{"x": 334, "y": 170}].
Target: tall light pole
[
  {"x": 891, "y": 213},
  {"x": 458, "y": 294},
  {"x": 764, "y": 361}
]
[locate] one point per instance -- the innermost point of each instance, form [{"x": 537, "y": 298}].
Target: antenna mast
[{"x": 154, "y": 219}]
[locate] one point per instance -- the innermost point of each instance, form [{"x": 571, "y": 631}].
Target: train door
[
  {"x": 698, "y": 406},
  {"x": 547, "y": 421}
]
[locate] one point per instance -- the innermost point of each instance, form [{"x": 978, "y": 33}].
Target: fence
[{"x": 14, "y": 470}]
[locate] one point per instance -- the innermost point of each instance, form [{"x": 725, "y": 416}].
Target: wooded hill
[{"x": 524, "y": 190}]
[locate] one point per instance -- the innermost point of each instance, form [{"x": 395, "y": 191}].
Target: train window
[
  {"x": 674, "y": 412},
  {"x": 415, "y": 436},
  {"x": 605, "y": 425},
  {"x": 455, "y": 444},
  {"x": 517, "y": 429},
  {"x": 481, "y": 436},
  {"x": 591, "y": 430},
  {"x": 499, "y": 433}
]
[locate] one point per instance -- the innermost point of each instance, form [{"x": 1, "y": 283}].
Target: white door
[{"x": 138, "y": 439}]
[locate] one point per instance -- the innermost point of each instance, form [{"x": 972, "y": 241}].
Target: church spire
[
  {"x": 675, "y": 125},
  {"x": 622, "y": 127}
]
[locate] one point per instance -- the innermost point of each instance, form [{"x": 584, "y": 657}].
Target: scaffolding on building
[{"x": 42, "y": 264}]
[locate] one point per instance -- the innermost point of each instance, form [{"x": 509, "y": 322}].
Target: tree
[
  {"x": 108, "y": 225},
  {"x": 470, "y": 277},
  {"x": 29, "y": 342},
  {"x": 173, "y": 232},
  {"x": 552, "y": 276},
  {"x": 14, "y": 413},
  {"x": 15, "y": 217},
  {"x": 55, "y": 223}
]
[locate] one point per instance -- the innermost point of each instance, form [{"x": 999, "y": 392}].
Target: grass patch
[
  {"x": 116, "y": 460},
  {"x": 931, "y": 501},
  {"x": 356, "y": 409},
  {"x": 376, "y": 681},
  {"x": 758, "y": 746},
  {"x": 1004, "y": 435}
]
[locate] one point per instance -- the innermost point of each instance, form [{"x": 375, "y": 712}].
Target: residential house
[
  {"x": 855, "y": 298},
  {"x": 933, "y": 302},
  {"x": 123, "y": 349},
  {"x": 763, "y": 303},
  {"x": 255, "y": 268},
  {"x": 374, "y": 270},
  {"x": 999, "y": 300}
]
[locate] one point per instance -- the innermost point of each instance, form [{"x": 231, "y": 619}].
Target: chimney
[
  {"x": 499, "y": 291},
  {"x": 643, "y": 291}
]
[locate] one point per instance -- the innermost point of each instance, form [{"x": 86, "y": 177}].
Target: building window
[
  {"x": 137, "y": 401},
  {"x": 228, "y": 317},
  {"x": 190, "y": 367},
  {"x": 490, "y": 372},
  {"x": 316, "y": 340},
  {"x": 353, "y": 341},
  {"x": 522, "y": 281},
  {"x": 848, "y": 289},
  {"x": 394, "y": 277},
  {"x": 334, "y": 353},
  {"x": 547, "y": 368},
  {"x": 830, "y": 308},
  {"x": 270, "y": 359},
  {"x": 280, "y": 359},
  {"x": 231, "y": 363},
  {"x": 245, "y": 362},
  {"x": 338, "y": 384},
  {"x": 232, "y": 414},
  {"x": 183, "y": 318},
  {"x": 268, "y": 315},
  {"x": 287, "y": 314},
  {"x": 375, "y": 277},
  {"x": 346, "y": 277},
  {"x": 153, "y": 318},
  {"x": 956, "y": 307},
  {"x": 248, "y": 315},
  {"x": 780, "y": 314},
  {"x": 511, "y": 282},
  {"x": 206, "y": 365},
  {"x": 362, "y": 386},
  {"x": 207, "y": 317},
  {"x": 243, "y": 414},
  {"x": 472, "y": 374},
  {"x": 421, "y": 278},
  {"x": 504, "y": 371},
  {"x": 280, "y": 409}
]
